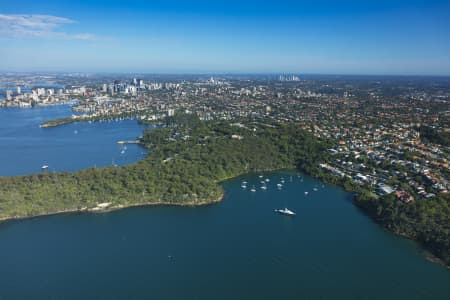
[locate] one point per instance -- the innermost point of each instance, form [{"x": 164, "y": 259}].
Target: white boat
[
  {"x": 279, "y": 185},
  {"x": 44, "y": 167},
  {"x": 282, "y": 180},
  {"x": 267, "y": 179},
  {"x": 306, "y": 193},
  {"x": 253, "y": 189},
  {"x": 243, "y": 186},
  {"x": 260, "y": 176},
  {"x": 264, "y": 187},
  {"x": 122, "y": 152},
  {"x": 285, "y": 211},
  {"x": 315, "y": 189}
]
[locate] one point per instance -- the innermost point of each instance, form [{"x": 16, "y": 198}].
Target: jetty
[{"x": 128, "y": 142}]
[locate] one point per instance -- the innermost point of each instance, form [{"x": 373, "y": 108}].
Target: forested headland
[{"x": 186, "y": 162}]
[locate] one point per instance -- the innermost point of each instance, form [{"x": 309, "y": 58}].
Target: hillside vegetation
[{"x": 186, "y": 162}]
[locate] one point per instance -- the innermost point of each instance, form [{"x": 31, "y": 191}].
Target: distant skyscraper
[
  {"x": 105, "y": 88},
  {"x": 289, "y": 78},
  {"x": 9, "y": 95},
  {"x": 19, "y": 91}
]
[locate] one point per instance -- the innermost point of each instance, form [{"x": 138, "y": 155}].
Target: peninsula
[{"x": 185, "y": 165}]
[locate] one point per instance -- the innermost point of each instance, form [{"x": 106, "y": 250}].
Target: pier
[{"x": 128, "y": 142}]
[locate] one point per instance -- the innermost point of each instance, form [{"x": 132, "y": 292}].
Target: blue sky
[{"x": 320, "y": 36}]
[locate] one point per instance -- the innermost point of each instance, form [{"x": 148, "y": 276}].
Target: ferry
[{"x": 285, "y": 211}]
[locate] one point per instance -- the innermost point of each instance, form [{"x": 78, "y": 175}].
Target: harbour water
[
  {"x": 236, "y": 249},
  {"x": 25, "y": 147}
]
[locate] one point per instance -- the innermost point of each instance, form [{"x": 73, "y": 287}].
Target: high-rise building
[
  {"x": 19, "y": 91},
  {"x": 41, "y": 91},
  {"x": 105, "y": 88},
  {"x": 9, "y": 94}
]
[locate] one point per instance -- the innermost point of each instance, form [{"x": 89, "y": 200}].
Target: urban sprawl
[{"x": 384, "y": 129}]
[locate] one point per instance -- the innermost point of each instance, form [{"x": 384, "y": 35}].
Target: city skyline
[{"x": 326, "y": 37}]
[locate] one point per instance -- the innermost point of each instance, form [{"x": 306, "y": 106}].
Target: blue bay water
[
  {"x": 236, "y": 249},
  {"x": 25, "y": 148}
]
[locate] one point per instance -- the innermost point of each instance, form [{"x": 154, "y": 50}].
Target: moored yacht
[{"x": 285, "y": 211}]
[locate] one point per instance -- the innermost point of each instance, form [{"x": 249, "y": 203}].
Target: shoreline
[
  {"x": 97, "y": 209},
  {"x": 107, "y": 209}
]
